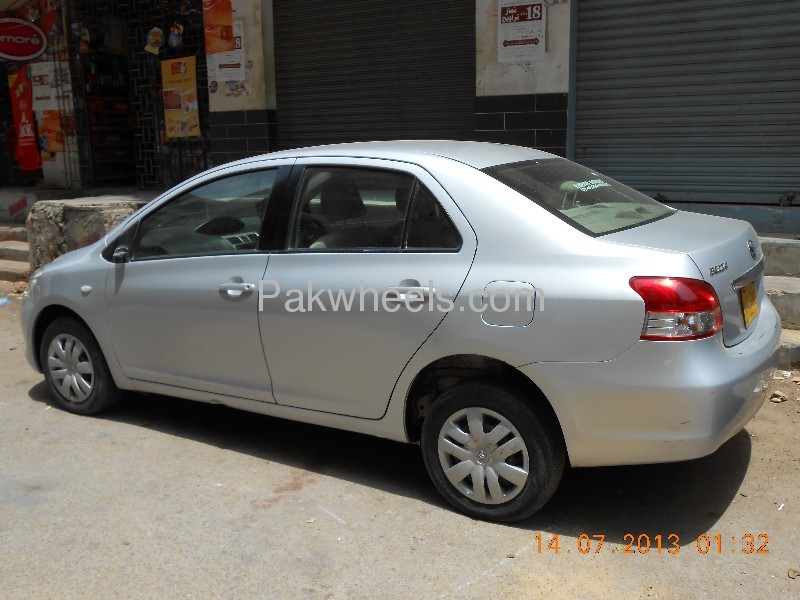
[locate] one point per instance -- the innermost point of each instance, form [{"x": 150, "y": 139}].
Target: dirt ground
[
  {"x": 164, "y": 498},
  {"x": 12, "y": 290}
]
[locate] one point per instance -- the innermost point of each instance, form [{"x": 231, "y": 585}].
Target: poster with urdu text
[{"x": 521, "y": 28}]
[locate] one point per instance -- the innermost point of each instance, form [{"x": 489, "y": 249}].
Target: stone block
[{"x": 58, "y": 226}]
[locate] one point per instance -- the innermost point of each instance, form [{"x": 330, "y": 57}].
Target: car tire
[
  {"x": 75, "y": 368},
  {"x": 500, "y": 437}
]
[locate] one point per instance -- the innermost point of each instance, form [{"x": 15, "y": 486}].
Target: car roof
[{"x": 476, "y": 154}]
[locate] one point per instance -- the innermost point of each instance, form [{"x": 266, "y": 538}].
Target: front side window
[
  {"x": 221, "y": 217},
  {"x": 589, "y": 201}
]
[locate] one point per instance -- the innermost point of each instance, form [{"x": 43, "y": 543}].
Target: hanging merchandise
[
  {"x": 191, "y": 16},
  {"x": 155, "y": 39},
  {"x": 26, "y": 150},
  {"x": 175, "y": 38},
  {"x": 81, "y": 32}
]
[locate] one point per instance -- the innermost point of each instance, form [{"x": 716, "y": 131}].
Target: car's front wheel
[
  {"x": 75, "y": 368},
  {"x": 491, "y": 452}
]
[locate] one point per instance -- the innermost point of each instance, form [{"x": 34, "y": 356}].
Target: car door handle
[
  {"x": 235, "y": 289},
  {"x": 404, "y": 293}
]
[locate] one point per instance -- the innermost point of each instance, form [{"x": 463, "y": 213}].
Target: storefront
[
  {"x": 686, "y": 101},
  {"x": 131, "y": 117},
  {"x": 260, "y": 75},
  {"x": 120, "y": 96},
  {"x": 37, "y": 115}
]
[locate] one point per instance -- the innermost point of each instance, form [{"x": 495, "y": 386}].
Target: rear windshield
[{"x": 589, "y": 201}]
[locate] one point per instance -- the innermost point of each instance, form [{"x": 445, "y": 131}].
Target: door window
[
  {"x": 221, "y": 217},
  {"x": 369, "y": 209},
  {"x": 351, "y": 209},
  {"x": 429, "y": 227}
]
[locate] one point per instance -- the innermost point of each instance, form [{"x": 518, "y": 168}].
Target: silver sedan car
[{"x": 511, "y": 311}]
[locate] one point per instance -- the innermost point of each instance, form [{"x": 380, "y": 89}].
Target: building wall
[
  {"x": 523, "y": 103},
  {"x": 249, "y": 94},
  {"x": 238, "y": 134},
  {"x": 242, "y": 122},
  {"x": 547, "y": 76},
  {"x": 515, "y": 103}
]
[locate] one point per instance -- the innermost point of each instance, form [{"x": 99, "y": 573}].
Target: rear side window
[
  {"x": 429, "y": 227},
  {"x": 589, "y": 201},
  {"x": 347, "y": 209},
  {"x": 351, "y": 209}
]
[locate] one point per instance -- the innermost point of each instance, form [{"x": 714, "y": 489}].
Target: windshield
[{"x": 591, "y": 202}]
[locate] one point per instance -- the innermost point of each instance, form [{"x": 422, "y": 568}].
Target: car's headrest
[{"x": 340, "y": 199}]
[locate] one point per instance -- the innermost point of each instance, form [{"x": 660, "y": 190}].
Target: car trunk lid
[{"x": 727, "y": 253}]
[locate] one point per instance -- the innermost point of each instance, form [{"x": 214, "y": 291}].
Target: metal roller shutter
[
  {"x": 373, "y": 69},
  {"x": 695, "y": 101}
]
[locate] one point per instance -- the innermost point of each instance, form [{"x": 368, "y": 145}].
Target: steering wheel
[{"x": 311, "y": 229}]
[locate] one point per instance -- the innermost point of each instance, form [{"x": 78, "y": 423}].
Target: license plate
[{"x": 749, "y": 303}]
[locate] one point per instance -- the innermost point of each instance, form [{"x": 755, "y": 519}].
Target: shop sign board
[{"x": 21, "y": 40}]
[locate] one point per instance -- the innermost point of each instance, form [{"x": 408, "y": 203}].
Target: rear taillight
[{"x": 678, "y": 308}]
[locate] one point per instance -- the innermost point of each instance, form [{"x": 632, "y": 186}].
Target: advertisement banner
[
  {"x": 51, "y": 86},
  {"x": 229, "y": 66},
  {"x": 179, "y": 84},
  {"x": 51, "y": 136},
  {"x": 231, "y": 73},
  {"x": 26, "y": 150},
  {"x": 218, "y": 26}
]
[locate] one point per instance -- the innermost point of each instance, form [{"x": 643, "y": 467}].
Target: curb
[
  {"x": 784, "y": 293},
  {"x": 789, "y": 351}
]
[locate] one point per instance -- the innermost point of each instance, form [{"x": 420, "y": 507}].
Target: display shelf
[{"x": 110, "y": 123}]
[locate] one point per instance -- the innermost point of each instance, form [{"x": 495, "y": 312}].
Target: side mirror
[{"x": 120, "y": 254}]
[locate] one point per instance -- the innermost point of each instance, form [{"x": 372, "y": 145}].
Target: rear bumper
[{"x": 661, "y": 401}]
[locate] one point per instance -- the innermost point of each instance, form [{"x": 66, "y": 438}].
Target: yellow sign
[
  {"x": 749, "y": 303},
  {"x": 179, "y": 85}
]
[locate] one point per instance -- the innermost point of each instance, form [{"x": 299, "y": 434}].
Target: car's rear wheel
[
  {"x": 491, "y": 452},
  {"x": 75, "y": 368}
]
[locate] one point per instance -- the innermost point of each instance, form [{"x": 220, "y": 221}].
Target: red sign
[
  {"x": 534, "y": 41},
  {"x": 21, "y": 40},
  {"x": 178, "y": 67},
  {"x": 521, "y": 13},
  {"x": 27, "y": 149}
]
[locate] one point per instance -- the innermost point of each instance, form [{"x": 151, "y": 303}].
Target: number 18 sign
[{"x": 520, "y": 31}]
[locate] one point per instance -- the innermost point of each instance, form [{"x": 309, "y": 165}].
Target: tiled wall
[
  {"x": 161, "y": 163},
  {"x": 534, "y": 120},
  {"x": 242, "y": 133}
]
